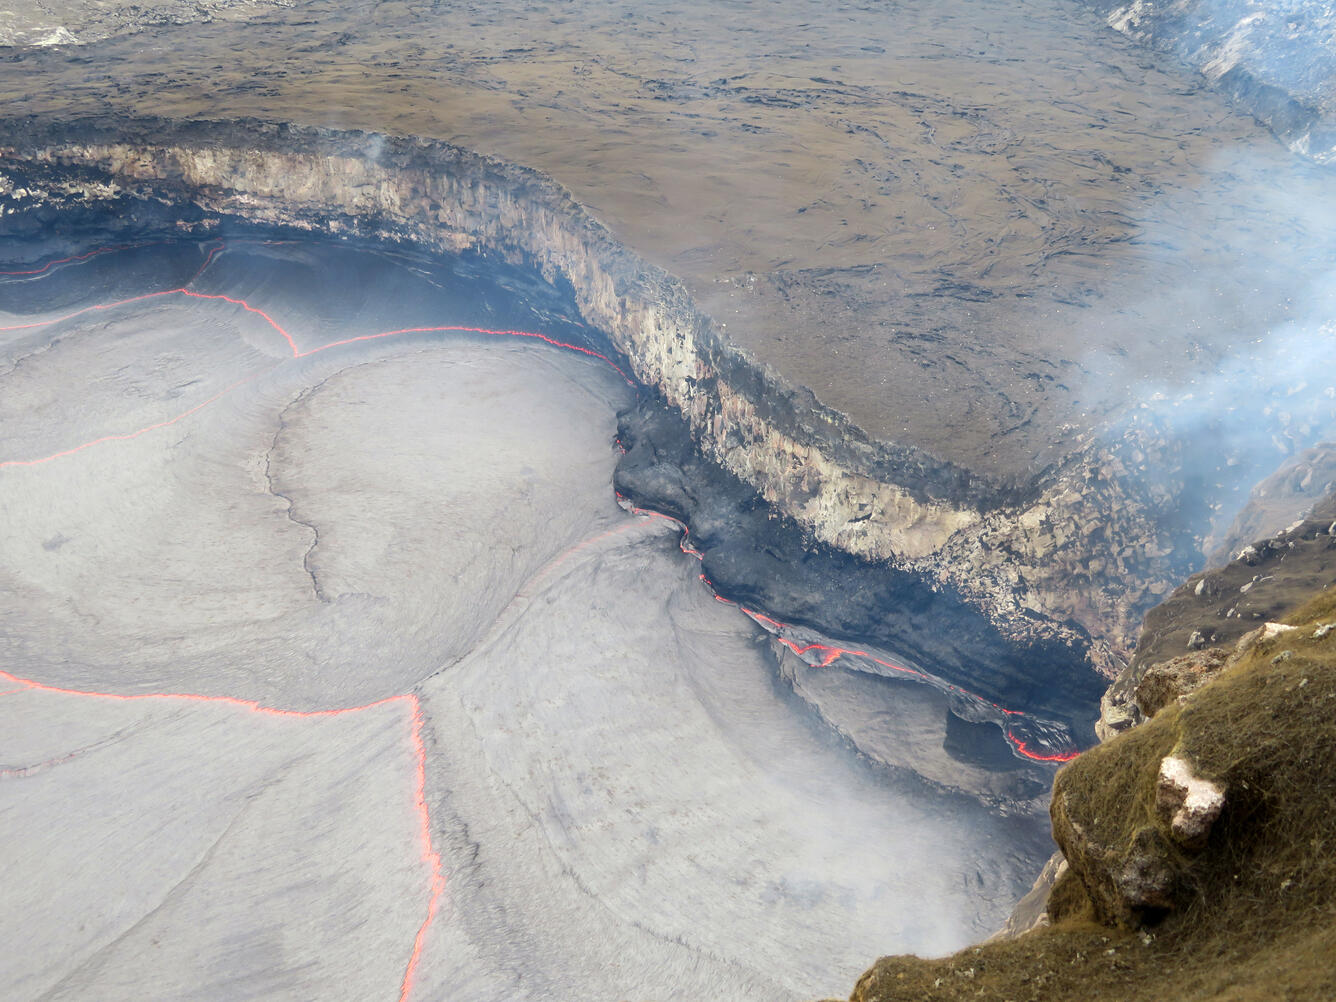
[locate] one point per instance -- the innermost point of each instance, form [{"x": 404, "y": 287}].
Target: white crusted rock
[
  {"x": 1188, "y": 803},
  {"x": 1271, "y": 630}
]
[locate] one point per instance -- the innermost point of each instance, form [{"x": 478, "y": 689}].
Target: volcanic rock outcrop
[
  {"x": 1275, "y": 61},
  {"x": 989, "y": 288},
  {"x": 1196, "y": 857},
  {"x": 1217, "y": 616}
]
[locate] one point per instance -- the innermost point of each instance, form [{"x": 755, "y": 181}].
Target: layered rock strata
[{"x": 1071, "y": 558}]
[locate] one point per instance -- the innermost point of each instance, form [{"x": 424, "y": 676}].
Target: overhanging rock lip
[{"x": 795, "y": 409}]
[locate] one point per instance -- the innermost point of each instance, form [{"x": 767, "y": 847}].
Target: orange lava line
[
  {"x": 89, "y": 309},
  {"x": 832, "y": 654},
  {"x": 207, "y": 261},
  {"x": 69, "y": 260},
  {"x": 153, "y": 295},
  {"x": 127, "y": 436},
  {"x": 431, "y": 857},
  {"x": 248, "y": 307},
  {"x": 1020, "y": 746},
  {"x": 562, "y": 557},
  {"x": 291, "y": 342},
  {"x": 245, "y": 704},
  {"x": 682, "y": 543}
]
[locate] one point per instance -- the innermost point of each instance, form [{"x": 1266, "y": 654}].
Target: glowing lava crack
[
  {"x": 297, "y": 353},
  {"x": 409, "y": 701},
  {"x": 430, "y": 856},
  {"x": 829, "y": 654}
]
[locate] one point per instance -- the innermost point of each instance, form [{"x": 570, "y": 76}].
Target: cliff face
[
  {"x": 1218, "y": 607},
  {"x": 1076, "y": 556}
]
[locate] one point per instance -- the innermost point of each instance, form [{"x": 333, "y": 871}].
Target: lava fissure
[
  {"x": 131, "y": 435},
  {"x": 68, "y": 260},
  {"x": 429, "y": 854},
  {"x": 296, "y": 352}
]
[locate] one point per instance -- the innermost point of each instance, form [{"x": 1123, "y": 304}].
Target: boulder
[
  {"x": 1133, "y": 852},
  {"x": 1129, "y": 883},
  {"x": 1171, "y": 680}
]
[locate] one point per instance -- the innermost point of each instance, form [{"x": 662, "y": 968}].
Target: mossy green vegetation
[{"x": 1251, "y": 916}]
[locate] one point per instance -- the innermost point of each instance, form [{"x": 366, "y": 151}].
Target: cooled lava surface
[{"x": 333, "y": 668}]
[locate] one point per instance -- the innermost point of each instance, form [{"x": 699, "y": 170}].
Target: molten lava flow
[
  {"x": 69, "y": 260},
  {"x": 129, "y": 435},
  {"x": 1020, "y": 746},
  {"x": 25, "y": 684},
  {"x": 830, "y": 654},
  {"x": 431, "y": 858}
]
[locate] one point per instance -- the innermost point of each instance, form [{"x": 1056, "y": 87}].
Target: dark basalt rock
[{"x": 766, "y": 562}]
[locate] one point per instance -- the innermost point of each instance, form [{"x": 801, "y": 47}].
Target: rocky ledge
[{"x": 1207, "y": 622}]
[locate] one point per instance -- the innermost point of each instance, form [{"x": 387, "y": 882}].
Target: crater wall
[{"x": 1073, "y": 555}]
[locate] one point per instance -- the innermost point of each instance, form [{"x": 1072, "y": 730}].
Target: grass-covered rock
[{"x": 1245, "y": 909}]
